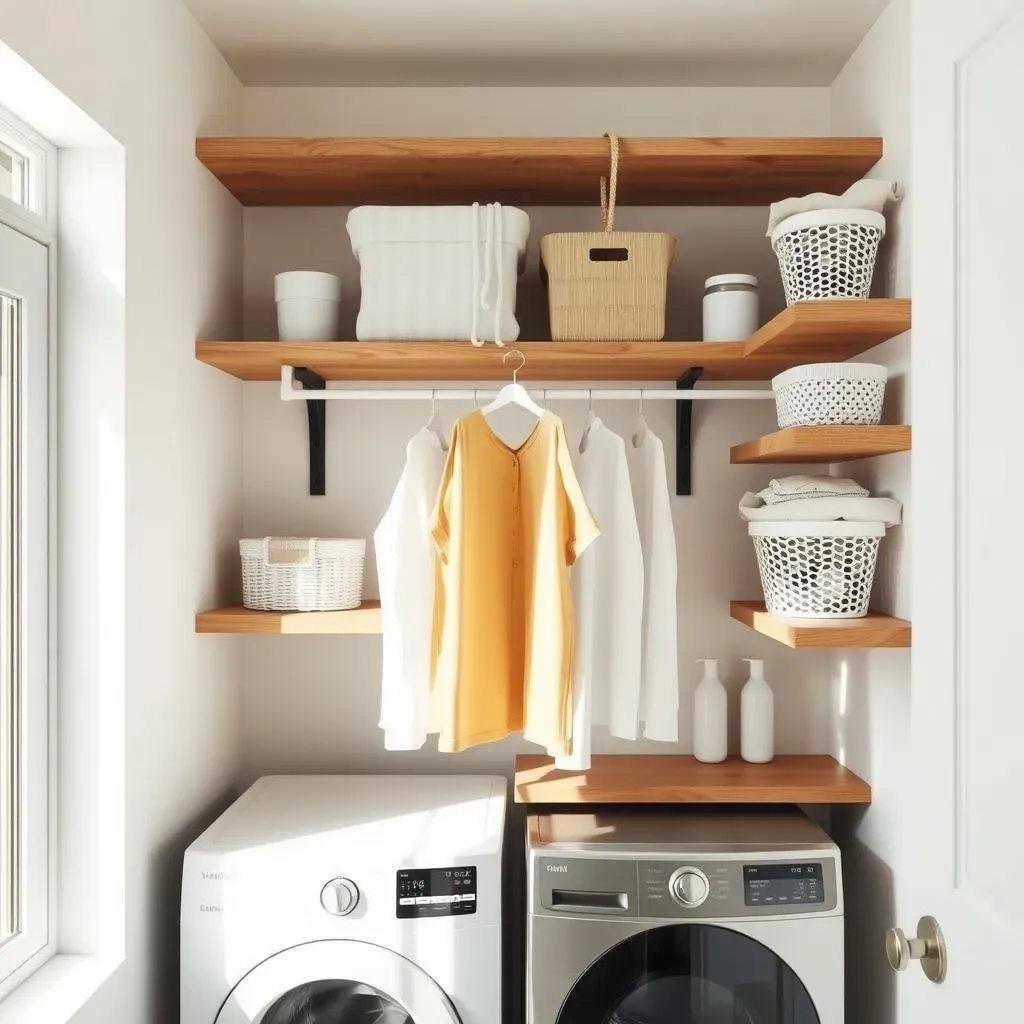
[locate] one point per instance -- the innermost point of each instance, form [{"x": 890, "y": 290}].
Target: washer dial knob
[
  {"x": 339, "y": 896},
  {"x": 689, "y": 887}
]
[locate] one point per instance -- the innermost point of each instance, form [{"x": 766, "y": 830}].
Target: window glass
[
  {"x": 13, "y": 175},
  {"x": 336, "y": 1002}
]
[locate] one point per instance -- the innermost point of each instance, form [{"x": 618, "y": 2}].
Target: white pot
[{"x": 307, "y": 305}]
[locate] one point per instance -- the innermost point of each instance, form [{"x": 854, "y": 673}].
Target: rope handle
[{"x": 608, "y": 194}]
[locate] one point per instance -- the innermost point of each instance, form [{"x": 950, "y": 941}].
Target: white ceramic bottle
[
  {"x": 710, "y": 716},
  {"x": 757, "y": 716}
]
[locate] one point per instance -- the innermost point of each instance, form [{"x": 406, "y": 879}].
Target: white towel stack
[{"x": 818, "y": 499}]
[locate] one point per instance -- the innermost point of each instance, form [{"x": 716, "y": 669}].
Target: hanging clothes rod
[{"x": 291, "y": 393}]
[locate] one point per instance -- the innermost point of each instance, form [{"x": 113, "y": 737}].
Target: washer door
[
  {"x": 688, "y": 974},
  {"x": 337, "y": 982}
]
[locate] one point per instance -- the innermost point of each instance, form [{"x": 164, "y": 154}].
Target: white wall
[
  {"x": 311, "y": 703},
  {"x": 146, "y": 73},
  {"x": 871, "y": 689}
]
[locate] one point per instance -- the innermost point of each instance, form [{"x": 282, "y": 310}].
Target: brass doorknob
[{"x": 929, "y": 947}]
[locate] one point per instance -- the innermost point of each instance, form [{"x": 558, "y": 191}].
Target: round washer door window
[
  {"x": 689, "y": 974},
  {"x": 337, "y": 982}
]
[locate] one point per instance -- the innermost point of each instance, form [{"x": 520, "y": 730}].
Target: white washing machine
[
  {"x": 683, "y": 919},
  {"x": 347, "y": 900}
]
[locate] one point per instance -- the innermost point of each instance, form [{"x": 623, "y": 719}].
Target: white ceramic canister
[
  {"x": 731, "y": 307},
  {"x": 307, "y": 305}
]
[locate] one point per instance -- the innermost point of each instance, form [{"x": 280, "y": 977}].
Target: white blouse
[
  {"x": 659, "y": 687},
  {"x": 607, "y": 587},
  {"x": 405, "y": 571}
]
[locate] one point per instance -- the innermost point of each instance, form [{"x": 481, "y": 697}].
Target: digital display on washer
[
  {"x": 782, "y": 885},
  {"x": 436, "y": 892}
]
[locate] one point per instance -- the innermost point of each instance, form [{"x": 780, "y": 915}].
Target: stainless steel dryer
[{"x": 710, "y": 918}]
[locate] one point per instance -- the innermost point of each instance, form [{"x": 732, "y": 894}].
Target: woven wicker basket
[
  {"x": 607, "y": 285},
  {"x": 302, "y": 574}
]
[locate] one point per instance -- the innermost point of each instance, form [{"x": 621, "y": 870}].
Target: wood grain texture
[
  {"x": 236, "y": 619},
  {"x": 875, "y": 630},
  {"x": 682, "y": 779},
  {"x": 834, "y": 338},
  {"x": 823, "y": 444},
  {"x": 281, "y": 171},
  {"x": 852, "y": 326}
]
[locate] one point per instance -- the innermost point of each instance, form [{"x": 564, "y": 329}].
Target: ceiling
[{"x": 536, "y": 42}]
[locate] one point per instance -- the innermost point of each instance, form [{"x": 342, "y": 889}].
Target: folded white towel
[
  {"x": 851, "y": 508},
  {"x": 866, "y": 194},
  {"x": 790, "y": 488}
]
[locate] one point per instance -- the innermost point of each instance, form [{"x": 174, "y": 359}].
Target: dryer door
[
  {"x": 689, "y": 974},
  {"x": 337, "y": 982}
]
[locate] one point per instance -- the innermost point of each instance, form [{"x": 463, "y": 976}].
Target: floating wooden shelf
[
  {"x": 681, "y": 779},
  {"x": 553, "y": 172},
  {"x": 823, "y": 444},
  {"x": 876, "y": 630},
  {"x": 775, "y": 350},
  {"x": 236, "y": 619}
]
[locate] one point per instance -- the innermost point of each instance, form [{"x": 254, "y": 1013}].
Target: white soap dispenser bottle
[
  {"x": 757, "y": 716},
  {"x": 710, "y": 716}
]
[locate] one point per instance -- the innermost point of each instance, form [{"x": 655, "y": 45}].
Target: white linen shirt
[
  {"x": 405, "y": 570},
  {"x": 608, "y": 590},
  {"x": 659, "y": 686}
]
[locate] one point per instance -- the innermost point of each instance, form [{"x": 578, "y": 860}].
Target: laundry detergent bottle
[
  {"x": 710, "y": 716},
  {"x": 757, "y": 716}
]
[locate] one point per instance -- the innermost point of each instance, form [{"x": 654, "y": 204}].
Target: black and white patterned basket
[
  {"x": 824, "y": 394},
  {"x": 817, "y": 570},
  {"x": 828, "y": 254}
]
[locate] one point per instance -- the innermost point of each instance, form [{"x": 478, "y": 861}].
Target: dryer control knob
[
  {"x": 689, "y": 886},
  {"x": 339, "y": 896}
]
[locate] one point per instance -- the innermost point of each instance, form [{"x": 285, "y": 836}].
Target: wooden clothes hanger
[{"x": 514, "y": 393}]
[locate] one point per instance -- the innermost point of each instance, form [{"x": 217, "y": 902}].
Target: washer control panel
[{"x": 436, "y": 892}]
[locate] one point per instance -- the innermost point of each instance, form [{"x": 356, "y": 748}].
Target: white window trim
[{"x": 40, "y": 226}]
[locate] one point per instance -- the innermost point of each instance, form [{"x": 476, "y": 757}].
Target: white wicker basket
[
  {"x": 817, "y": 570},
  {"x": 820, "y": 394},
  {"x": 302, "y": 574},
  {"x": 828, "y": 254}
]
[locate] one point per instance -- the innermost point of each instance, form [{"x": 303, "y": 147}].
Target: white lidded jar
[
  {"x": 710, "y": 716},
  {"x": 307, "y": 305},
  {"x": 732, "y": 309},
  {"x": 757, "y": 716}
]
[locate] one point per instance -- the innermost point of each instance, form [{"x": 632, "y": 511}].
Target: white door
[{"x": 963, "y": 861}]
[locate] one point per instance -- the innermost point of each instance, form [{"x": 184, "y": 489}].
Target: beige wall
[{"x": 312, "y": 703}]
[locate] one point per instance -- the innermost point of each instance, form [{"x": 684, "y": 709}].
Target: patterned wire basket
[
  {"x": 302, "y": 574},
  {"x": 828, "y": 254},
  {"x": 817, "y": 570},
  {"x": 821, "y": 394}
]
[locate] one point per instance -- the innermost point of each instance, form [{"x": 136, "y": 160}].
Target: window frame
[{"x": 37, "y": 222}]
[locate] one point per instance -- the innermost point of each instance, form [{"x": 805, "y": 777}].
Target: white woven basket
[
  {"x": 820, "y": 394},
  {"x": 817, "y": 570},
  {"x": 828, "y": 254},
  {"x": 302, "y": 574}
]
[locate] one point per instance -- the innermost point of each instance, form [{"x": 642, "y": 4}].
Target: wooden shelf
[
  {"x": 236, "y": 619},
  {"x": 775, "y": 350},
  {"x": 554, "y": 172},
  {"x": 823, "y": 444},
  {"x": 681, "y": 779},
  {"x": 876, "y": 630}
]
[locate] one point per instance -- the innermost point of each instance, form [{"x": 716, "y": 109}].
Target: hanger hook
[
  {"x": 522, "y": 362},
  {"x": 433, "y": 401},
  {"x": 590, "y": 399},
  {"x": 641, "y": 393}
]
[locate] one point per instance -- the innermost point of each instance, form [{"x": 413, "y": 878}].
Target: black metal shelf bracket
[
  {"x": 684, "y": 432},
  {"x": 316, "y": 411}
]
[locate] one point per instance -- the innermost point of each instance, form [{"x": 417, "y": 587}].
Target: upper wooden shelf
[
  {"x": 681, "y": 779},
  {"x": 275, "y": 171},
  {"x": 874, "y": 630},
  {"x": 845, "y": 327},
  {"x": 236, "y": 619},
  {"x": 823, "y": 444}
]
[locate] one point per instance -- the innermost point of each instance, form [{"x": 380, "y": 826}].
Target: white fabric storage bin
[
  {"x": 817, "y": 570},
  {"x": 823, "y": 394},
  {"x": 302, "y": 574},
  {"x": 445, "y": 273},
  {"x": 828, "y": 254}
]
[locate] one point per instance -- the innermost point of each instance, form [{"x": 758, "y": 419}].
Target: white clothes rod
[{"x": 291, "y": 393}]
